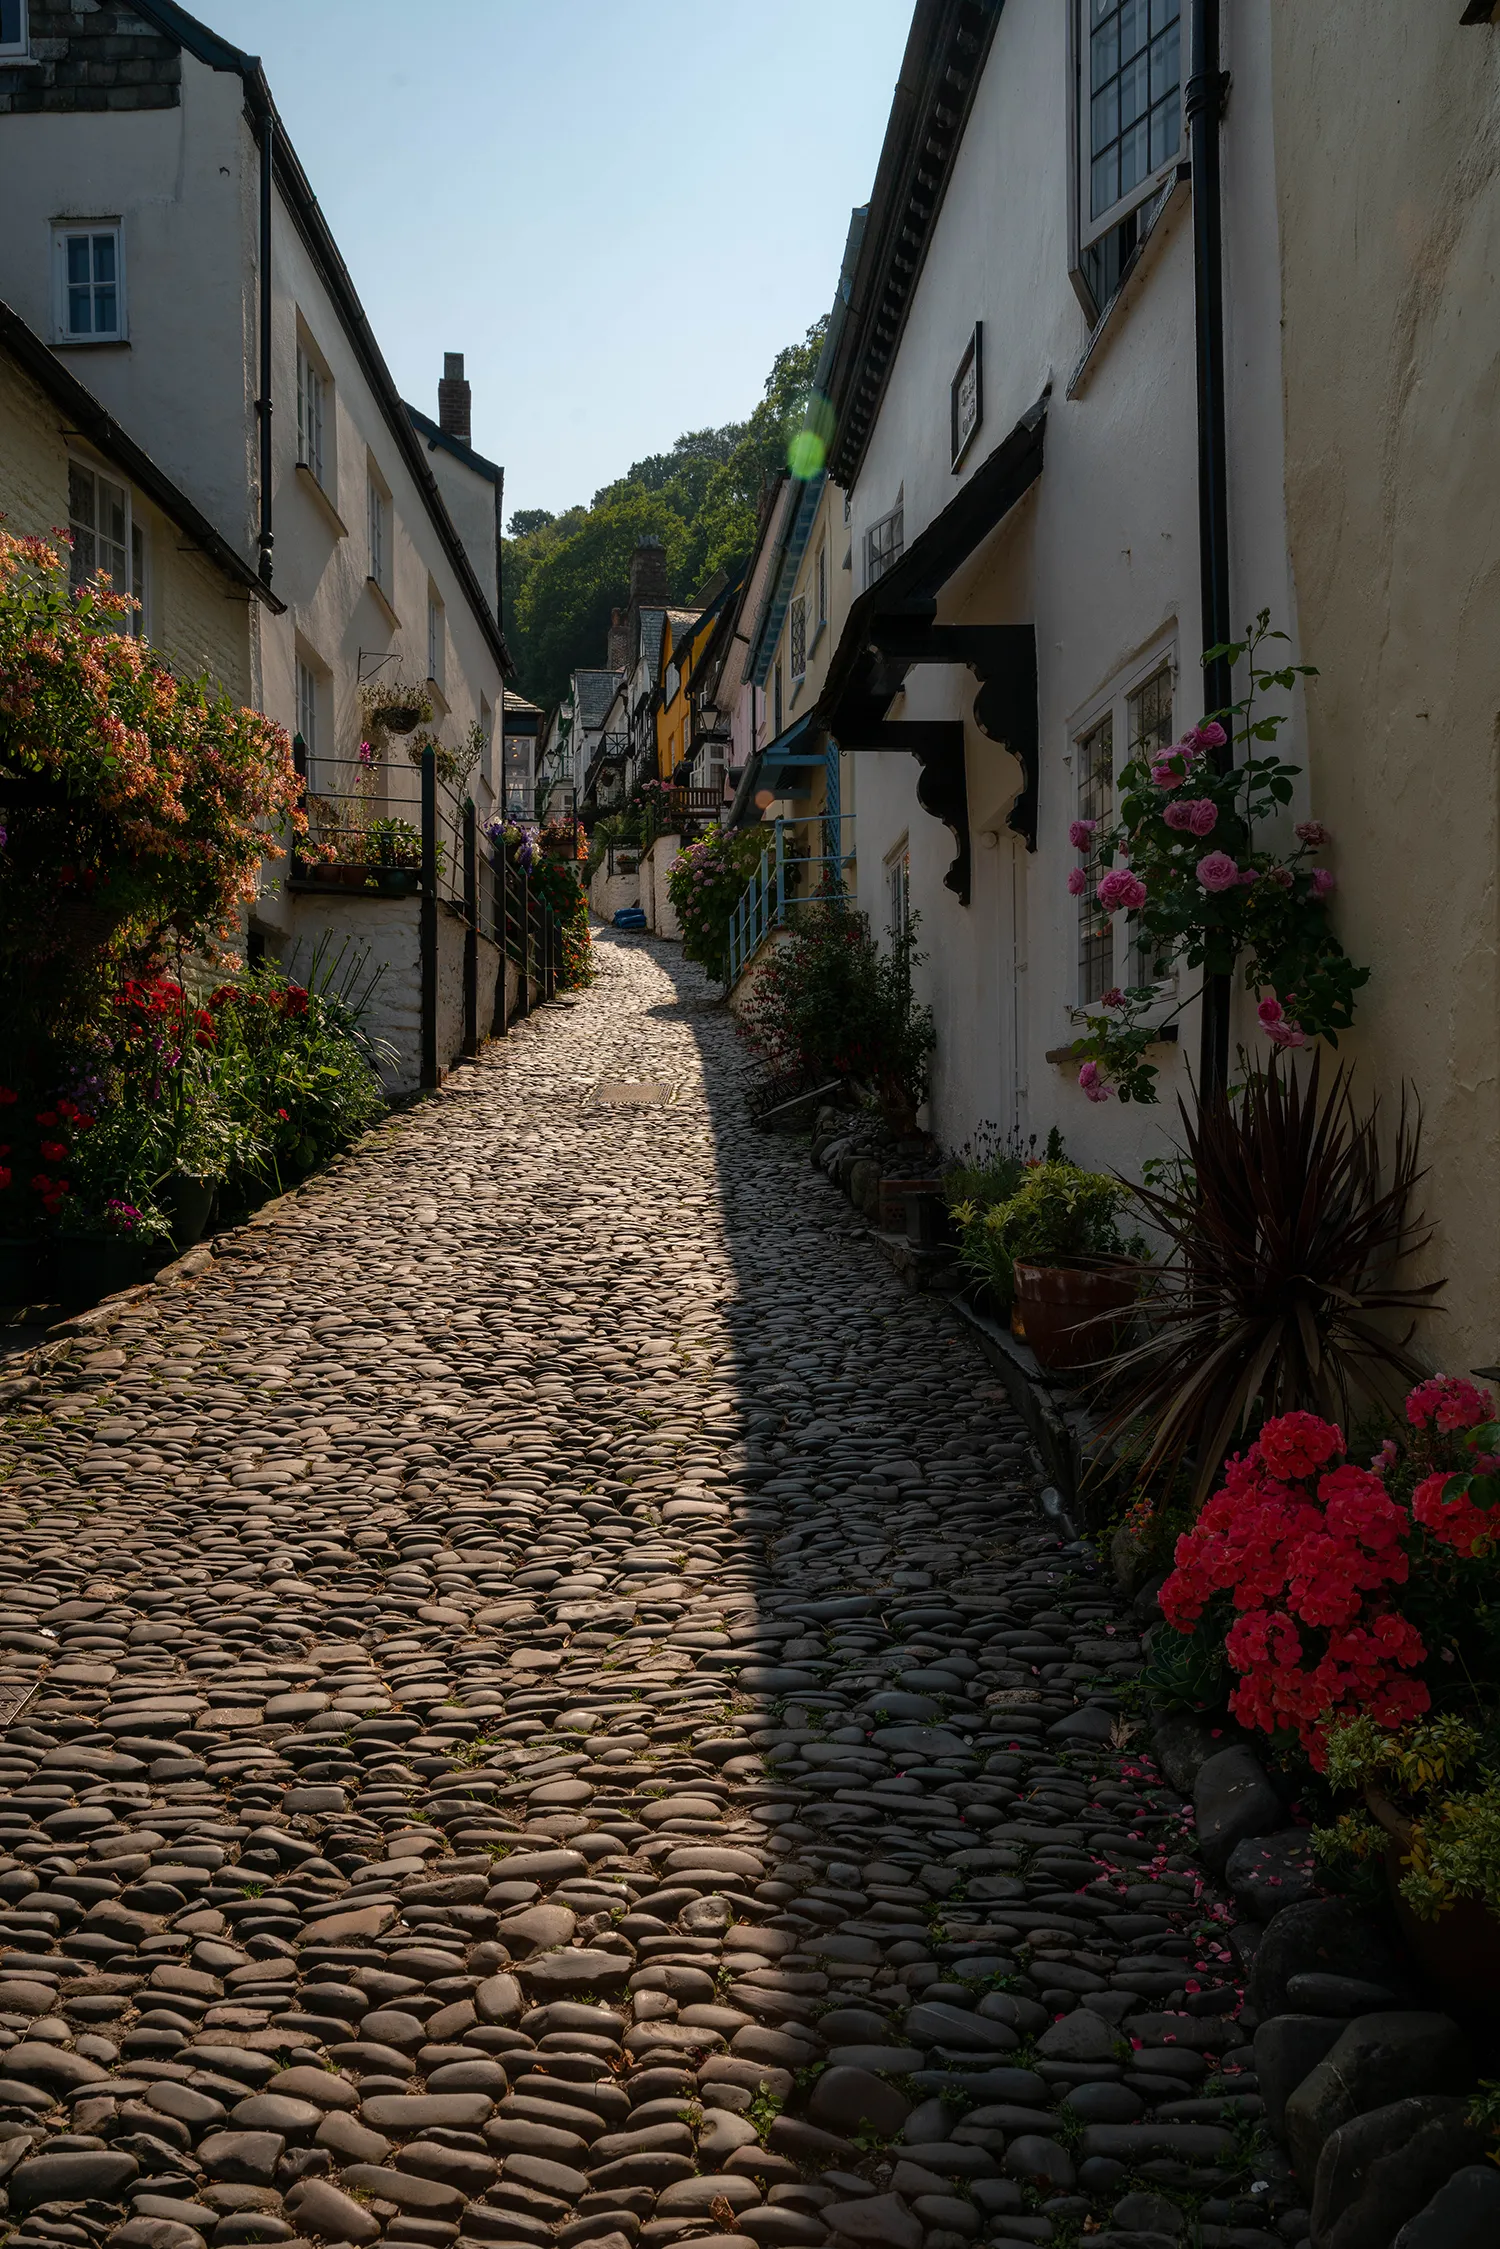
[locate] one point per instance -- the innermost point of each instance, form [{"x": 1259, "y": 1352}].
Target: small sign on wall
[{"x": 966, "y": 396}]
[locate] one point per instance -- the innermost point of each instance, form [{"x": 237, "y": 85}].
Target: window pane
[
  {"x": 1135, "y": 96},
  {"x": 78, "y": 257},
  {"x": 106, "y": 319},
  {"x": 10, "y": 23},
  {"x": 138, "y": 576},
  {"x": 1133, "y": 158},
  {"x": 80, "y": 495},
  {"x": 104, "y": 257},
  {"x": 1134, "y": 91},
  {"x": 1134, "y": 28}
]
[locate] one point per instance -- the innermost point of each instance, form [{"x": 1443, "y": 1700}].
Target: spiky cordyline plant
[{"x": 1277, "y": 1289}]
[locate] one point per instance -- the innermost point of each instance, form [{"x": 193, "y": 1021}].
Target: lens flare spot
[{"x": 806, "y": 454}]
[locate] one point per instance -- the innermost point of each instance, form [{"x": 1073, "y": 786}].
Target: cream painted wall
[
  {"x": 1102, "y": 555},
  {"x": 1389, "y": 207},
  {"x": 195, "y": 616},
  {"x": 182, "y": 182}
]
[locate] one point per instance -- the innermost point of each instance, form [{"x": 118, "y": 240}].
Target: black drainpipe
[
  {"x": 1205, "y": 108},
  {"x": 263, "y": 403}
]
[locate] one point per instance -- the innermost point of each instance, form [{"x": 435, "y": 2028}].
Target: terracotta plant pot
[
  {"x": 1460, "y": 1950},
  {"x": 1065, "y": 1312}
]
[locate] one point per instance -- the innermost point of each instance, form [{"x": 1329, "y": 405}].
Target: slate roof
[{"x": 593, "y": 692}]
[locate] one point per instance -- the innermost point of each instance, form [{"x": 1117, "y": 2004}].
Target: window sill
[
  {"x": 378, "y": 595},
  {"x": 92, "y": 343},
  {"x": 311, "y": 486},
  {"x": 440, "y": 702},
  {"x": 1167, "y": 1035},
  {"x": 1169, "y": 200}
]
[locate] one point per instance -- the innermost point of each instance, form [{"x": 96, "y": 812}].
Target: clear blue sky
[{"x": 619, "y": 212}]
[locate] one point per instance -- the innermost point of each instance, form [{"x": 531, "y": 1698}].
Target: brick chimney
[
  {"x": 617, "y": 657},
  {"x": 648, "y": 575},
  {"x": 454, "y": 399}
]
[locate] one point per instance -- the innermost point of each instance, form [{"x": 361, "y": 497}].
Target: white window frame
[
  {"x": 1116, "y": 702},
  {"x": 378, "y": 510},
  {"x": 796, "y": 639},
  {"x": 311, "y": 692},
  {"x": 314, "y": 418},
  {"x": 19, "y": 48},
  {"x": 92, "y": 231},
  {"x": 1089, "y": 228},
  {"x": 885, "y": 543},
  {"x": 820, "y": 575},
  {"x": 437, "y": 638},
  {"x": 134, "y": 545},
  {"x": 898, "y": 888}
]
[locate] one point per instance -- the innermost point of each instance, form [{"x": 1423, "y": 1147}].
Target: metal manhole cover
[
  {"x": 631, "y": 1093},
  {"x": 14, "y": 1695}
]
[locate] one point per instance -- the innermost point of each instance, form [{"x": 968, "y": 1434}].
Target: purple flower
[
  {"x": 1323, "y": 881},
  {"x": 1078, "y": 882},
  {"x": 1218, "y": 871},
  {"x": 1120, "y": 888},
  {"x": 1081, "y": 834}
]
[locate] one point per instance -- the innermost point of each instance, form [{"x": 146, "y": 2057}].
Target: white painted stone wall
[
  {"x": 608, "y": 894},
  {"x": 386, "y": 932},
  {"x": 656, "y": 865}
]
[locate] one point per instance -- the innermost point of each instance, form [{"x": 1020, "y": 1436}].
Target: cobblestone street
[{"x": 558, "y": 1714}]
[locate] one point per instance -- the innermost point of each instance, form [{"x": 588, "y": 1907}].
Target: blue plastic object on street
[{"x": 630, "y": 917}]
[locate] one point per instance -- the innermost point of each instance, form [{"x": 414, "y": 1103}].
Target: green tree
[{"x": 564, "y": 574}]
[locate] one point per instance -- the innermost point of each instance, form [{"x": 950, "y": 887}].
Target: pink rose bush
[{"x": 1241, "y": 908}]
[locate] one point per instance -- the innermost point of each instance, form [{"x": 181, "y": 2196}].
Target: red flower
[
  {"x": 7, "y": 1097},
  {"x": 46, "y": 1116},
  {"x": 54, "y": 1151},
  {"x": 5, "y": 1174},
  {"x": 1447, "y": 1403}
]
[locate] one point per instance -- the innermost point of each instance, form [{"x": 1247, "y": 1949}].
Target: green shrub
[{"x": 1059, "y": 1215}]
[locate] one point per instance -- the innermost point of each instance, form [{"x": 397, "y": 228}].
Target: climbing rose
[
  {"x": 1121, "y": 888},
  {"x": 1312, "y": 833},
  {"x": 1209, "y": 736},
  {"x": 1081, "y": 834},
  {"x": 1192, "y": 815},
  {"x": 1218, "y": 871},
  {"x": 1078, "y": 882},
  {"x": 1323, "y": 881},
  {"x": 1092, "y": 1083},
  {"x": 1280, "y": 1028},
  {"x": 1114, "y": 997}
]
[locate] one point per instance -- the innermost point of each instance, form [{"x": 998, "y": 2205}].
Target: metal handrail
[{"x": 776, "y": 886}]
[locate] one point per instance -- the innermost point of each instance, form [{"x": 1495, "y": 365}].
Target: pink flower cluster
[
  {"x": 1444, "y": 1503},
  {"x": 1193, "y": 816},
  {"x": 1307, "y": 1551},
  {"x": 1121, "y": 890},
  {"x": 1169, "y": 768},
  {"x": 1280, "y": 1028}
]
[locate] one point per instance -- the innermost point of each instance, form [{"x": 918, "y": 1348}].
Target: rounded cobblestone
[{"x": 554, "y": 1709}]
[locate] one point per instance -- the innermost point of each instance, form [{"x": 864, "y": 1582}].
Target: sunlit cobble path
[{"x": 556, "y": 1713}]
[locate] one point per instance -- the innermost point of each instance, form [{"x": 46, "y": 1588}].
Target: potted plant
[
  {"x": 1053, "y": 1254},
  {"x": 1430, "y": 1818},
  {"x": 395, "y": 849},
  {"x": 391, "y": 706}
]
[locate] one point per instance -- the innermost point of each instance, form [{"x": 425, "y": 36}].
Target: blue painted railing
[{"x": 788, "y": 876}]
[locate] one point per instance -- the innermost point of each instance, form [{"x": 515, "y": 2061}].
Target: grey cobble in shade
[{"x": 557, "y": 1713}]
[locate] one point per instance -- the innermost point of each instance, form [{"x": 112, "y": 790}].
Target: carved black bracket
[{"x": 1003, "y": 659}]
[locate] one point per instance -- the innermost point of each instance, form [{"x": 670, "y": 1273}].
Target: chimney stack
[
  {"x": 648, "y": 575},
  {"x": 454, "y": 399},
  {"x": 617, "y": 656}
]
